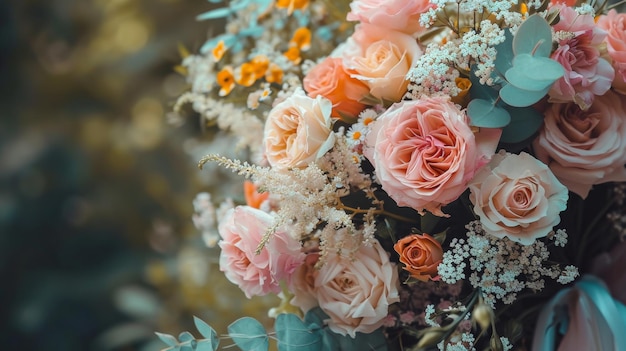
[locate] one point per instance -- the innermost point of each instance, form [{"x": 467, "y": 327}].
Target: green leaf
[
  {"x": 206, "y": 331},
  {"x": 534, "y": 35},
  {"x": 206, "y": 345},
  {"x": 484, "y": 113},
  {"x": 480, "y": 91},
  {"x": 517, "y": 97},
  {"x": 185, "y": 336},
  {"x": 294, "y": 335},
  {"x": 533, "y": 73},
  {"x": 249, "y": 334},
  {"x": 213, "y": 14},
  {"x": 167, "y": 339},
  {"x": 504, "y": 56},
  {"x": 525, "y": 121},
  {"x": 374, "y": 341}
]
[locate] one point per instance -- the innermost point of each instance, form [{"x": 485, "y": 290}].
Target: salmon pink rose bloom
[
  {"x": 615, "y": 25},
  {"x": 518, "y": 197},
  {"x": 381, "y": 58},
  {"x": 400, "y": 15},
  {"x": 256, "y": 274},
  {"x": 298, "y": 131},
  {"x": 583, "y": 148},
  {"x": 425, "y": 153},
  {"x": 421, "y": 255},
  {"x": 330, "y": 80},
  {"x": 356, "y": 291},
  {"x": 586, "y": 73}
]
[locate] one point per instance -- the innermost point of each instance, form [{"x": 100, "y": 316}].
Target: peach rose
[
  {"x": 256, "y": 274},
  {"x": 518, "y": 197},
  {"x": 298, "y": 131},
  {"x": 586, "y": 73},
  {"x": 400, "y": 15},
  {"x": 330, "y": 80},
  {"x": 615, "y": 25},
  {"x": 583, "y": 148},
  {"x": 421, "y": 254},
  {"x": 355, "y": 292},
  {"x": 424, "y": 152},
  {"x": 381, "y": 58}
]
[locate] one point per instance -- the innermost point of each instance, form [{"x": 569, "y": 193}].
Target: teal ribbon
[{"x": 609, "y": 316}]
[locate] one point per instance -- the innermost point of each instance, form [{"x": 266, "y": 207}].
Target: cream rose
[
  {"x": 381, "y": 58},
  {"x": 425, "y": 153},
  {"x": 583, "y": 148},
  {"x": 517, "y": 196},
  {"x": 298, "y": 131},
  {"x": 356, "y": 292}
]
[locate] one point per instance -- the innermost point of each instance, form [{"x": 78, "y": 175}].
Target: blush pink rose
[
  {"x": 586, "y": 73},
  {"x": 583, "y": 148},
  {"x": 518, "y": 197},
  {"x": 381, "y": 58},
  {"x": 400, "y": 15},
  {"x": 425, "y": 153},
  {"x": 355, "y": 292},
  {"x": 303, "y": 284},
  {"x": 615, "y": 25},
  {"x": 256, "y": 274},
  {"x": 330, "y": 80},
  {"x": 298, "y": 131}
]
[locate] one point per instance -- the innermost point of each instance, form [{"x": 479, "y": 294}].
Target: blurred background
[{"x": 97, "y": 177}]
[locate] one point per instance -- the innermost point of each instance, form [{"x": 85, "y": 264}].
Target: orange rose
[{"x": 421, "y": 254}]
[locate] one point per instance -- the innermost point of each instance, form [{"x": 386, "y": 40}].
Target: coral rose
[
  {"x": 583, "y": 148},
  {"x": 400, "y": 15},
  {"x": 586, "y": 73},
  {"x": 421, "y": 254},
  {"x": 381, "y": 58},
  {"x": 517, "y": 196},
  {"x": 330, "y": 80},
  {"x": 256, "y": 274},
  {"x": 355, "y": 292},
  {"x": 424, "y": 152},
  {"x": 298, "y": 131},
  {"x": 615, "y": 25}
]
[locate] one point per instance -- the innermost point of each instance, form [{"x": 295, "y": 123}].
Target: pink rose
[
  {"x": 586, "y": 74},
  {"x": 330, "y": 80},
  {"x": 425, "y": 153},
  {"x": 381, "y": 58},
  {"x": 583, "y": 148},
  {"x": 355, "y": 292},
  {"x": 518, "y": 197},
  {"x": 400, "y": 15},
  {"x": 303, "y": 284},
  {"x": 298, "y": 131},
  {"x": 241, "y": 231},
  {"x": 615, "y": 25}
]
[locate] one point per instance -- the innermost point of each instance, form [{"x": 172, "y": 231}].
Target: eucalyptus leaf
[
  {"x": 213, "y": 14},
  {"x": 504, "y": 55},
  {"x": 374, "y": 341},
  {"x": 487, "y": 114},
  {"x": 207, "y": 332},
  {"x": 517, "y": 97},
  {"x": 185, "y": 336},
  {"x": 525, "y": 121},
  {"x": 167, "y": 339},
  {"x": 480, "y": 91},
  {"x": 294, "y": 335},
  {"x": 249, "y": 334},
  {"x": 533, "y": 73},
  {"x": 533, "y": 36},
  {"x": 206, "y": 345}
]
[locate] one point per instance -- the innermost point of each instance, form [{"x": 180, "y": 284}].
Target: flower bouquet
[{"x": 421, "y": 175}]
